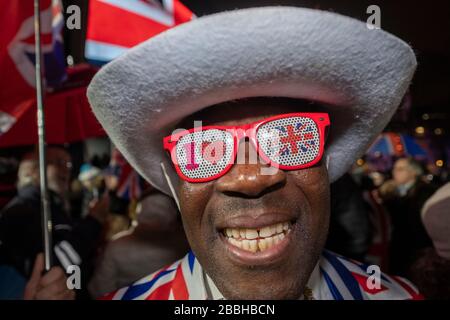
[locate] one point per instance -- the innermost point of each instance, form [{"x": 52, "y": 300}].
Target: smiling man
[{"x": 252, "y": 182}]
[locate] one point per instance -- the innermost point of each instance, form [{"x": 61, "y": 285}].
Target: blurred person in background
[
  {"x": 20, "y": 220},
  {"x": 92, "y": 182},
  {"x": 119, "y": 207},
  {"x": 431, "y": 271},
  {"x": 157, "y": 240},
  {"x": 8, "y": 175},
  {"x": 350, "y": 231},
  {"x": 124, "y": 187},
  {"x": 378, "y": 252},
  {"x": 404, "y": 197},
  {"x": 377, "y": 178}
]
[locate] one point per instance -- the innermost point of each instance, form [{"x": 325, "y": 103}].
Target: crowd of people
[
  {"x": 113, "y": 239},
  {"x": 397, "y": 220}
]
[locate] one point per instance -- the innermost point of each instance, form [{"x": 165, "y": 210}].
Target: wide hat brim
[{"x": 361, "y": 75}]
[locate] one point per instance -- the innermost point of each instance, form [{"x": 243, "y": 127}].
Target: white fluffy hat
[{"x": 270, "y": 51}]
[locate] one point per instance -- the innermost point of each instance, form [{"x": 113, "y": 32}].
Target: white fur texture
[{"x": 270, "y": 51}]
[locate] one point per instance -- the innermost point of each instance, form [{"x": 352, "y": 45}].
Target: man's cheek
[
  {"x": 193, "y": 200},
  {"x": 195, "y": 194},
  {"x": 314, "y": 184}
]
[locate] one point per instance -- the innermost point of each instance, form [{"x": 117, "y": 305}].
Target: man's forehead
[{"x": 248, "y": 110}]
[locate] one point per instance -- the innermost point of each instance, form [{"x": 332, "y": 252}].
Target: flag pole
[{"x": 46, "y": 221}]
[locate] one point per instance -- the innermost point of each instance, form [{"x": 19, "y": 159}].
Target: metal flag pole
[{"x": 46, "y": 221}]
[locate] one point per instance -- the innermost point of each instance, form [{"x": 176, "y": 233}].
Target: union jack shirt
[{"x": 333, "y": 278}]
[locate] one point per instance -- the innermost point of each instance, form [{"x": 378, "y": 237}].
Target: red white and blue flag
[
  {"x": 17, "y": 55},
  {"x": 117, "y": 25},
  {"x": 130, "y": 184},
  {"x": 334, "y": 278}
]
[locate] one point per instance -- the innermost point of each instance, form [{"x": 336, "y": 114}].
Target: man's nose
[{"x": 251, "y": 178}]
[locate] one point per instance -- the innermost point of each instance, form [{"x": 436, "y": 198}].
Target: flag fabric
[
  {"x": 398, "y": 145},
  {"x": 17, "y": 55},
  {"x": 130, "y": 184},
  {"x": 334, "y": 278},
  {"x": 68, "y": 118},
  {"x": 142, "y": 19}
]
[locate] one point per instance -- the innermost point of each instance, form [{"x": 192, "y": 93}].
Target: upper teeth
[{"x": 254, "y": 239}]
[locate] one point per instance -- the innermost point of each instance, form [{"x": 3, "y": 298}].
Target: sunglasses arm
[
  {"x": 171, "y": 187},
  {"x": 168, "y": 143}
]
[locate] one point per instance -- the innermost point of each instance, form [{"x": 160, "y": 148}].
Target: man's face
[
  {"x": 245, "y": 201},
  {"x": 403, "y": 173},
  {"x": 58, "y": 170}
]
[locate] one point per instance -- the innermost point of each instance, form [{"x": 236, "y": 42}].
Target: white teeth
[
  {"x": 254, "y": 240},
  {"x": 246, "y": 245},
  {"x": 235, "y": 242},
  {"x": 262, "y": 244},
  {"x": 265, "y": 232},
  {"x": 253, "y": 245},
  {"x": 269, "y": 242},
  {"x": 276, "y": 239},
  {"x": 279, "y": 228},
  {"x": 251, "y": 234}
]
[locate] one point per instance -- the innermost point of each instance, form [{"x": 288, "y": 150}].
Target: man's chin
[
  {"x": 282, "y": 289},
  {"x": 284, "y": 279},
  {"x": 279, "y": 272}
]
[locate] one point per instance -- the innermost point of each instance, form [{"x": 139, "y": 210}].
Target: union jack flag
[
  {"x": 17, "y": 55},
  {"x": 130, "y": 183},
  {"x": 142, "y": 19},
  {"x": 296, "y": 138},
  {"x": 334, "y": 278}
]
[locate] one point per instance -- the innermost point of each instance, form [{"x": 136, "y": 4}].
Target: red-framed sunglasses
[{"x": 290, "y": 141}]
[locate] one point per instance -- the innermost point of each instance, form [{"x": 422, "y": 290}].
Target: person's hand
[
  {"x": 49, "y": 286},
  {"x": 99, "y": 209}
]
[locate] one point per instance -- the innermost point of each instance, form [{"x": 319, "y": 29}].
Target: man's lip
[{"x": 255, "y": 221}]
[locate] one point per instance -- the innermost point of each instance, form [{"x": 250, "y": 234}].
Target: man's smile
[
  {"x": 260, "y": 240},
  {"x": 254, "y": 240}
]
